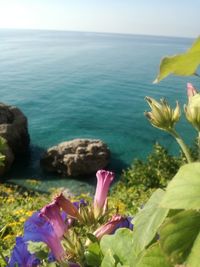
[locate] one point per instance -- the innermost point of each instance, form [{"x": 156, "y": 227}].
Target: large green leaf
[
  {"x": 183, "y": 192},
  {"x": 148, "y": 220},
  {"x": 120, "y": 247},
  {"x": 154, "y": 257},
  {"x": 183, "y": 64},
  {"x": 108, "y": 260},
  {"x": 178, "y": 234},
  {"x": 194, "y": 257}
]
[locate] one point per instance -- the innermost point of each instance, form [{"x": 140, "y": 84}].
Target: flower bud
[
  {"x": 192, "y": 109},
  {"x": 162, "y": 116}
]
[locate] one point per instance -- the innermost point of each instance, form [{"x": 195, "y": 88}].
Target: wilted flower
[
  {"x": 192, "y": 109},
  {"x": 67, "y": 206},
  {"x": 116, "y": 222},
  {"x": 52, "y": 213},
  {"x": 38, "y": 229},
  {"x": 21, "y": 256},
  {"x": 104, "y": 179},
  {"x": 162, "y": 115}
]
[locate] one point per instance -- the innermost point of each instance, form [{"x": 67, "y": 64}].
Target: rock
[
  {"x": 14, "y": 128},
  {"x": 76, "y": 157}
]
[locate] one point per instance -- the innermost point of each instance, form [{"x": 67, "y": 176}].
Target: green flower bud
[
  {"x": 162, "y": 116},
  {"x": 192, "y": 111}
]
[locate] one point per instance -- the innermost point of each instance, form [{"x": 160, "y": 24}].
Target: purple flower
[
  {"x": 125, "y": 223},
  {"x": 104, "y": 179},
  {"x": 111, "y": 226},
  {"x": 80, "y": 203},
  {"x": 21, "y": 256},
  {"x": 52, "y": 213},
  {"x": 67, "y": 206},
  {"x": 38, "y": 229}
]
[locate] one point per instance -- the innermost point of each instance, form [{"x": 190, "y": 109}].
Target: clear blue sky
[{"x": 156, "y": 17}]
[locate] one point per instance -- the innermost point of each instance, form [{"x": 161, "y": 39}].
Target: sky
[{"x": 152, "y": 17}]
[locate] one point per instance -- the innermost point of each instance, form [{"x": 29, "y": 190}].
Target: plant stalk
[
  {"x": 198, "y": 142},
  {"x": 182, "y": 145}
]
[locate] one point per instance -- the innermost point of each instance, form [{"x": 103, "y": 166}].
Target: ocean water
[{"x": 87, "y": 85}]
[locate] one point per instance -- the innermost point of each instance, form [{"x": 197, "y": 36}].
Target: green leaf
[
  {"x": 108, "y": 260},
  {"x": 154, "y": 256},
  {"x": 194, "y": 257},
  {"x": 93, "y": 255},
  {"x": 178, "y": 234},
  {"x": 183, "y": 192},
  {"x": 183, "y": 64},
  {"x": 148, "y": 220},
  {"x": 120, "y": 246},
  {"x": 39, "y": 249}
]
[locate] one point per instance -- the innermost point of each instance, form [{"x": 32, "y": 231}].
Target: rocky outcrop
[
  {"x": 14, "y": 128},
  {"x": 76, "y": 157}
]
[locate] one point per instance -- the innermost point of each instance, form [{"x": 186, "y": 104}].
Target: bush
[{"x": 140, "y": 180}]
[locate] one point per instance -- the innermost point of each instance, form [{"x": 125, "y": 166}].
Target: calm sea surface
[{"x": 73, "y": 85}]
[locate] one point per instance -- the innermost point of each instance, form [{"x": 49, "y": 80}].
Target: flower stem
[
  {"x": 181, "y": 143},
  {"x": 2, "y": 256},
  {"x": 198, "y": 142}
]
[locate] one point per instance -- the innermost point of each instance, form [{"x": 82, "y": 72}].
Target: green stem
[
  {"x": 1, "y": 254},
  {"x": 181, "y": 143},
  {"x": 198, "y": 142}
]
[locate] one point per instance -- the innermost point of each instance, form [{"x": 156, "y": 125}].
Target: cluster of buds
[
  {"x": 55, "y": 225},
  {"x": 162, "y": 115}
]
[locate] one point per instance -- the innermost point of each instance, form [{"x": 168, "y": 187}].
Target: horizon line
[{"x": 99, "y": 32}]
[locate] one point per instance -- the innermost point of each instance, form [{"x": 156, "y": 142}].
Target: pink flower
[
  {"x": 104, "y": 179},
  {"x": 110, "y": 226},
  {"x": 52, "y": 213},
  {"x": 67, "y": 206},
  {"x": 191, "y": 90}
]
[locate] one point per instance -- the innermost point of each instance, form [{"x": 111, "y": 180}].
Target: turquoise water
[{"x": 73, "y": 84}]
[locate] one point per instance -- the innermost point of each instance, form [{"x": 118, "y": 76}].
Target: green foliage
[
  {"x": 183, "y": 192},
  {"x": 2, "y": 149},
  {"x": 140, "y": 180},
  {"x": 120, "y": 248},
  {"x": 154, "y": 257},
  {"x": 16, "y": 205},
  {"x": 183, "y": 64},
  {"x": 148, "y": 220},
  {"x": 156, "y": 171},
  {"x": 178, "y": 234}
]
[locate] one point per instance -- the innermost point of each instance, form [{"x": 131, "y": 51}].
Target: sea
[{"x": 87, "y": 85}]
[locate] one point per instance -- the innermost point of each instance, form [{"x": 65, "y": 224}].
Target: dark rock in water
[
  {"x": 14, "y": 128},
  {"x": 76, "y": 157}
]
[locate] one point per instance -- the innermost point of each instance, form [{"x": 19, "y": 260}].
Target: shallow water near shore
[{"x": 87, "y": 85}]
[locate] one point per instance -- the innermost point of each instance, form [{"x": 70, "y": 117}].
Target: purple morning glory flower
[
  {"x": 21, "y": 256},
  {"x": 52, "y": 213},
  {"x": 38, "y": 229},
  {"x": 104, "y": 179},
  {"x": 125, "y": 223},
  {"x": 80, "y": 203},
  {"x": 116, "y": 222}
]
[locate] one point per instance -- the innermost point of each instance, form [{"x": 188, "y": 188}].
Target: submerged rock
[
  {"x": 14, "y": 128},
  {"x": 76, "y": 157}
]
